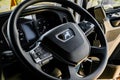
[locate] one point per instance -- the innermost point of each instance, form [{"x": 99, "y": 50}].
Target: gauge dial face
[{"x": 42, "y": 26}]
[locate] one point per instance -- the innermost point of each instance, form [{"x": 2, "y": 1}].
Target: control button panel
[{"x": 41, "y": 56}]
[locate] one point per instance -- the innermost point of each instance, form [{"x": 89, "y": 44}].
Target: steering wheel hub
[{"x": 68, "y": 42}]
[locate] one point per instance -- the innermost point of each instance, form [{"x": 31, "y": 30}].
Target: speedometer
[{"x": 42, "y": 25}]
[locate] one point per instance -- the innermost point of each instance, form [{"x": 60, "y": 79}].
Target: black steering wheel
[{"x": 66, "y": 42}]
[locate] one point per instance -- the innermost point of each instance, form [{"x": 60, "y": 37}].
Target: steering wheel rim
[{"x": 15, "y": 43}]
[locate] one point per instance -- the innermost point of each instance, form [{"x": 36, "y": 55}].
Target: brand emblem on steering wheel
[{"x": 65, "y": 35}]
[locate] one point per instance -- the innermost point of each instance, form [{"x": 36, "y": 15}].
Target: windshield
[
  {"x": 108, "y": 4},
  {"x": 114, "y": 3},
  {"x": 7, "y": 5}
]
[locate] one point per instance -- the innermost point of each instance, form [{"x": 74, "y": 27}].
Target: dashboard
[{"x": 31, "y": 25}]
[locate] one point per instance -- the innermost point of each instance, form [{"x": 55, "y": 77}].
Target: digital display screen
[{"x": 29, "y": 33}]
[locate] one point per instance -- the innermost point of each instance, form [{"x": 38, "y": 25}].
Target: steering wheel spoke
[
  {"x": 73, "y": 73},
  {"x": 39, "y": 55},
  {"x": 97, "y": 51}
]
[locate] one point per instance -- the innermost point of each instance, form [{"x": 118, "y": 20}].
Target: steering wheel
[{"x": 66, "y": 42}]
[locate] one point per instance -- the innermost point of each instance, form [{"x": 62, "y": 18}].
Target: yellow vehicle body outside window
[{"x": 13, "y": 3}]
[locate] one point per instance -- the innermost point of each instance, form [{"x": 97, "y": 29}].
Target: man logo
[{"x": 65, "y": 35}]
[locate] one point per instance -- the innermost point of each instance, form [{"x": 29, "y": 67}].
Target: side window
[
  {"x": 4, "y": 5},
  {"x": 7, "y": 5},
  {"x": 92, "y": 3}
]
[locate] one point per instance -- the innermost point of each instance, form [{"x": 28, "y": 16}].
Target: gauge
[{"x": 42, "y": 25}]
